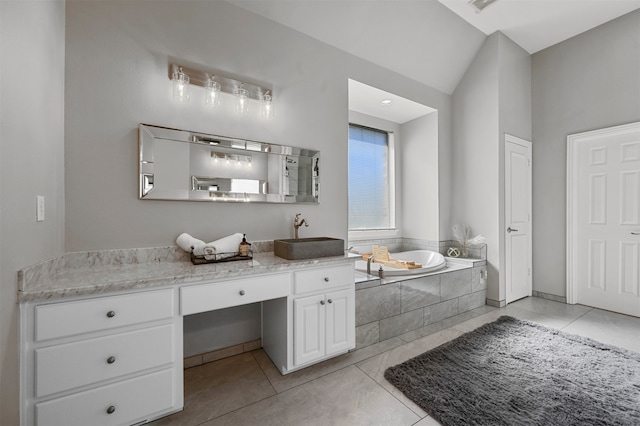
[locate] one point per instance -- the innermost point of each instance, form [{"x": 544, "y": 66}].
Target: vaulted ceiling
[{"x": 435, "y": 41}]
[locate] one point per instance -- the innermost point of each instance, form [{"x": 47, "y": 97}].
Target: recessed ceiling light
[{"x": 386, "y": 102}]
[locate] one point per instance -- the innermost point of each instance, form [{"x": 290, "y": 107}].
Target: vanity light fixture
[
  {"x": 212, "y": 96},
  {"x": 267, "y": 106},
  {"x": 180, "y": 85},
  {"x": 216, "y": 84},
  {"x": 241, "y": 101}
]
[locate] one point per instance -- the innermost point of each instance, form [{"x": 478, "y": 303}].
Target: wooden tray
[{"x": 381, "y": 255}]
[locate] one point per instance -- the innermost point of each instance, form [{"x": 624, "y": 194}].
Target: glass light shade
[
  {"x": 267, "y": 107},
  {"x": 180, "y": 86},
  {"x": 212, "y": 96},
  {"x": 242, "y": 104}
]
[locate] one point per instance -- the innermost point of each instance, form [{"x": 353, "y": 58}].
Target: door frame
[
  {"x": 529, "y": 146},
  {"x": 573, "y": 142}
]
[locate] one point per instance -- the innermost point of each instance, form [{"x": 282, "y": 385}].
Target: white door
[
  {"x": 340, "y": 321},
  {"x": 308, "y": 329},
  {"x": 518, "y": 247},
  {"x": 604, "y": 219}
]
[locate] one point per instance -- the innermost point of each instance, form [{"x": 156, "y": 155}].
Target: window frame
[{"x": 392, "y": 230}]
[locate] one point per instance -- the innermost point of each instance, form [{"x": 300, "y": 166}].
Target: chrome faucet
[{"x": 297, "y": 223}]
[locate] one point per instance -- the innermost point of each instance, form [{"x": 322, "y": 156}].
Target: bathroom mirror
[{"x": 191, "y": 166}]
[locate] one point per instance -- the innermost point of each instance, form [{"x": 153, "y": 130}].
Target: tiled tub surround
[{"x": 391, "y": 307}]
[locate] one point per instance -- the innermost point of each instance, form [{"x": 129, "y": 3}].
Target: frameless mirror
[{"x": 185, "y": 165}]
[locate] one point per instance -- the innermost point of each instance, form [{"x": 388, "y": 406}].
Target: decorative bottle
[{"x": 245, "y": 247}]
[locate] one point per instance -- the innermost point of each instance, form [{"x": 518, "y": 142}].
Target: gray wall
[
  {"x": 588, "y": 82},
  {"x": 421, "y": 208},
  {"x": 117, "y": 60},
  {"x": 475, "y": 153},
  {"x": 493, "y": 97},
  {"x": 31, "y": 162}
]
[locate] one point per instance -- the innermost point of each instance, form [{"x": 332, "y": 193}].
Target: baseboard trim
[
  {"x": 496, "y": 303},
  {"x": 549, "y": 296},
  {"x": 196, "y": 360}
]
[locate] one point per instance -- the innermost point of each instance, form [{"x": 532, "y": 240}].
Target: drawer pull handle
[
  {"x": 111, "y": 359},
  {"x": 111, "y": 409},
  {"x": 242, "y": 293},
  {"x": 330, "y": 301},
  {"x": 326, "y": 279},
  {"x": 111, "y": 314},
  {"x": 322, "y": 302}
]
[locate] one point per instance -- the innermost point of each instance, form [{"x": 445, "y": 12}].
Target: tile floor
[{"x": 247, "y": 389}]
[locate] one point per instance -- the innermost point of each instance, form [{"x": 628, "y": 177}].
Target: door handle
[
  {"x": 635, "y": 233},
  {"x": 510, "y": 230}
]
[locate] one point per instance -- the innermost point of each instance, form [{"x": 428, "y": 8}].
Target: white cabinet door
[
  {"x": 309, "y": 328},
  {"x": 340, "y": 326},
  {"x": 324, "y": 325}
]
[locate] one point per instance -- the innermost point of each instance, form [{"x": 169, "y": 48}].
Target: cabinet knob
[
  {"x": 242, "y": 293},
  {"x": 111, "y": 314},
  {"x": 111, "y": 409},
  {"x": 330, "y": 301},
  {"x": 322, "y": 302},
  {"x": 326, "y": 279},
  {"x": 111, "y": 359}
]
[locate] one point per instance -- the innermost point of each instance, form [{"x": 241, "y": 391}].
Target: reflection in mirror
[{"x": 184, "y": 165}]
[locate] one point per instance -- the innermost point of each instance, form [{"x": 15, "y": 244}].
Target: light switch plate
[{"x": 39, "y": 208}]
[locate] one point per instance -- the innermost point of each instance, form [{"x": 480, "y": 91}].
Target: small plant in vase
[{"x": 462, "y": 234}]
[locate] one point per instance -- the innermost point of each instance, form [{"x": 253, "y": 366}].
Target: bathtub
[{"x": 430, "y": 261}]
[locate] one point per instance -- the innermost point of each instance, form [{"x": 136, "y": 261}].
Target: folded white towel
[
  {"x": 223, "y": 248},
  {"x": 187, "y": 243}
]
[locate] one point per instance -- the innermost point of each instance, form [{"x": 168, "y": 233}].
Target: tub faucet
[
  {"x": 297, "y": 223},
  {"x": 369, "y": 260}
]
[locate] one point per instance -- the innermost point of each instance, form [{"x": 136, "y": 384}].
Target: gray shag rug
[{"x": 514, "y": 372}]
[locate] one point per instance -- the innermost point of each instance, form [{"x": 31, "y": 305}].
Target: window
[{"x": 371, "y": 204}]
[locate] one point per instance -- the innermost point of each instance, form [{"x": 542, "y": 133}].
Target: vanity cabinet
[
  {"x": 112, "y": 360},
  {"x": 316, "y": 321},
  {"x": 322, "y": 325},
  {"x": 117, "y": 358}
]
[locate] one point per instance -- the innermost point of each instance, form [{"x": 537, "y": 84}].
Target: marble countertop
[{"x": 89, "y": 273}]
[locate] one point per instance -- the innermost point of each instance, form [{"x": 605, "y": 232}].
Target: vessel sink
[{"x": 308, "y": 248}]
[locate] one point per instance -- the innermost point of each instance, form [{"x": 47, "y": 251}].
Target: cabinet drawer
[
  {"x": 70, "y": 318},
  {"x": 131, "y": 400},
  {"x": 67, "y": 366},
  {"x": 224, "y": 294},
  {"x": 323, "y": 278}
]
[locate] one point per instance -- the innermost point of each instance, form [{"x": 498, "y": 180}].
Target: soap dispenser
[{"x": 245, "y": 247}]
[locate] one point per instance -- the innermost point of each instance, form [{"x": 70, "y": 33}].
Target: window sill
[{"x": 373, "y": 234}]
